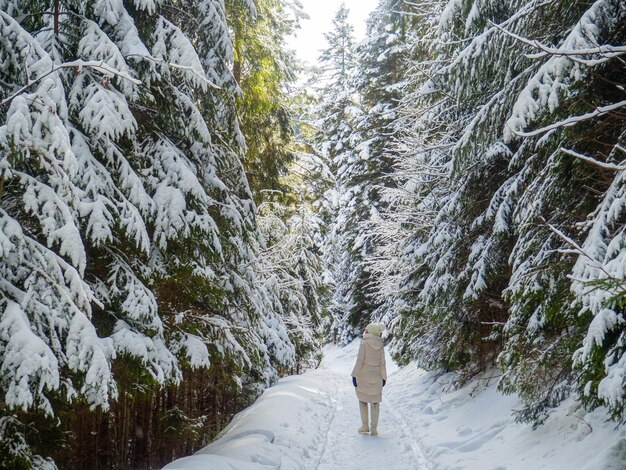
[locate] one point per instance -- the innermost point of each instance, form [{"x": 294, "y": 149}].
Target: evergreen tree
[
  {"x": 264, "y": 69},
  {"x": 338, "y": 139},
  {"x": 128, "y": 229},
  {"x": 380, "y": 82},
  {"x": 503, "y": 102}
]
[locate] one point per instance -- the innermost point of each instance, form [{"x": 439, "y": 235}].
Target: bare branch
[{"x": 607, "y": 52}]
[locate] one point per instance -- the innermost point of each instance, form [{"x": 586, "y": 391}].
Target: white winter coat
[{"x": 370, "y": 369}]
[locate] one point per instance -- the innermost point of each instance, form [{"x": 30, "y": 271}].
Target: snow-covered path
[
  {"x": 345, "y": 448},
  {"x": 310, "y": 421}
]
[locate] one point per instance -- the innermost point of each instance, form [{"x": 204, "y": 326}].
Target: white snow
[
  {"x": 472, "y": 428},
  {"x": 310, "y": 421},
  {"x": 27, "y": 362}
]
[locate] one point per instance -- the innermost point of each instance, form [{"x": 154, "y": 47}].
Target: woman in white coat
[{"x": 369, "y": 376}]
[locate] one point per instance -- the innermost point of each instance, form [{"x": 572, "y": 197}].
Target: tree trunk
[{"x": 56, "y": 17}]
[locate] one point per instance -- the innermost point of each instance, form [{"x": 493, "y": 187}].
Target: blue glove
[
  {"x": 384, "y": 382},
  {"x": 354, "y": 381}
]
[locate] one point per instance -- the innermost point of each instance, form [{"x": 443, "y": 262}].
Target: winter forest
[{"x": 185, "y": 219}]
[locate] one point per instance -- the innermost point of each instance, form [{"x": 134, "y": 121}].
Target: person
[{"x": 369, "y": 376}]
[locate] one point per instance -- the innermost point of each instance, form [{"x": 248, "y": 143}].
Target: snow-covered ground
[{"x": 310, "y": 422}]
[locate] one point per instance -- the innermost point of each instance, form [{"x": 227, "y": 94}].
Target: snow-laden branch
[
  {"x": 607, "y": 52},
  {"x": 96, "y": 65},
  {"x": 593, "y": 161},
  {"x": 578, "y": 249},
  {"x": 186, "y": 68},
  {"x": 194, "y": 72},
  {"x": 573, "y": 120},
  {"x": 479, "y": 39}
]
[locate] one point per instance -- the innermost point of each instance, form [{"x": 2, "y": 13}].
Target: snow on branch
[
  {"x": 186, "y": 68},
  {"x": 101, "y": 66},
  {"x": 607, "y": 52},
  {"x": 478, "y": 41},
  {"x": 571, "y": 121},
  {"x": 555, "y": 77},
  {"x": 577, "y": 249},
  {"x": 593, "y": 161}
]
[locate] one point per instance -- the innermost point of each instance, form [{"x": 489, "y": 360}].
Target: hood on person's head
[{"x": 375, "y": 329}]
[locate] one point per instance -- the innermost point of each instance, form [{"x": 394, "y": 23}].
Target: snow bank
[
  {"x": 472, "y": 428},
  {"x": 285, "y": 428}
]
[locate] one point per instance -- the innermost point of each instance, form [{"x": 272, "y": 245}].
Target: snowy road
[{"x": 310, "y": 422}]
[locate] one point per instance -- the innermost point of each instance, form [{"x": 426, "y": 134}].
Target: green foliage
[
  {"x": 498, "y": 226},
  {"x": 20, "y": 442},
  {"x": 606, "y": 352},
  {"x": 264, "y": 69}
]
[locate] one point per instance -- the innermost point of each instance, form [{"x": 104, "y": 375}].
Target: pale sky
[{"x": 310, "y": 38}]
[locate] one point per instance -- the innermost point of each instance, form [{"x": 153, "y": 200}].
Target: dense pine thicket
[
  {"x": 479, "y": 154},
  {"x": 144, "y": 295}
]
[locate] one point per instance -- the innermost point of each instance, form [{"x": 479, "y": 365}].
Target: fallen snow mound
[{"x": 282, "y": 429}]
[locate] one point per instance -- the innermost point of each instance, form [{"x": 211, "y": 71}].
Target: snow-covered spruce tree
[
  {"x": 126, "y": 217},
  {"x": 292, "y": 269},
  {"x": 532, "y": 186},
  {"x": 312, "y": 187},
  {"x": 338, "y": 139},
  {"x": 380, "y": 81},
  {"x": 494, "y": 271},
  {"x": 310, "y": 206},
  {"x": 565, "y": 113},
  {"x": 59, "y": 200},
  {"x": 423, "y": 128},
  {"x": 311, "y": 178},
  {"x": 417, "y": 178},
  {"x": 379, "y": 77}
]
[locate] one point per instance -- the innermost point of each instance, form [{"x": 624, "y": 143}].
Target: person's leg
[
  {"x": 374, "y": 421},
  {"x": 364, "y": 426}
]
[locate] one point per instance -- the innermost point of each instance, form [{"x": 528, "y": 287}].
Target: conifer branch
[
  {"x": 573, "y": 120},
  {"x": 607, "y": 52},
  {"x": 593, "y": 161},
  {"x": 97, "y": 65}
]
